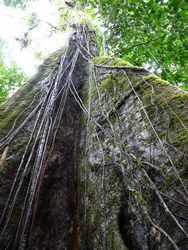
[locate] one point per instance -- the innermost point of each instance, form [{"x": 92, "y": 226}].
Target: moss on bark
[
  {"x": 143, "y": 120},
  {"x": 127, "y": 110}
]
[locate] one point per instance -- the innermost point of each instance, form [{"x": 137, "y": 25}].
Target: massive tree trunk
[{"x": 93, "y": 156}]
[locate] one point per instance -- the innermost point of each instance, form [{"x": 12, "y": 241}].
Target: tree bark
[{"x": 116, "y": 176}]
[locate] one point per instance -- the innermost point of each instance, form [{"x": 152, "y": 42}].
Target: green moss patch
[
  {"x": 179, "y": 139},
  {"x": 112, "y": 61},
  {"x": 7, "y": 121},
  {"x": 155, "y": 80},
  {"x": 113, "y": 82},
  {"x": 14, "y": 107},
  {"x": 180, "y": 100},
  {"x": 167, "y": 107},
  {"x": 182, "y": 137},
  {"x": 164, "y": 93}
]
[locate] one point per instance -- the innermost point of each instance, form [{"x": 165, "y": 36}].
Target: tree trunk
[{"x": 104, "y": 149}]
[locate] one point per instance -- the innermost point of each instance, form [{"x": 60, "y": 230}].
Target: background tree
[
  {"x": 148, "y": 32},
  {"x": 11, "y": 78}
]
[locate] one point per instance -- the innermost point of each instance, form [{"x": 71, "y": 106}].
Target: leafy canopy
[
  {"x": 10, "y": 79},
  {"x": 147, "y": 32},
  {"x": 152, "y": 32}
]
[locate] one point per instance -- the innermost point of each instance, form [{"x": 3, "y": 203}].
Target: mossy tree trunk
[
  {"x": 54, "y": 220},
  {"x": 121, "y": 169},
  {"x": 137, "y": 144}
]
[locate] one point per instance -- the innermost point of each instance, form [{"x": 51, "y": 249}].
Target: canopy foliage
[
  {"x": 10, "y": 79},
  {"x": 148, "y": 32}
]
